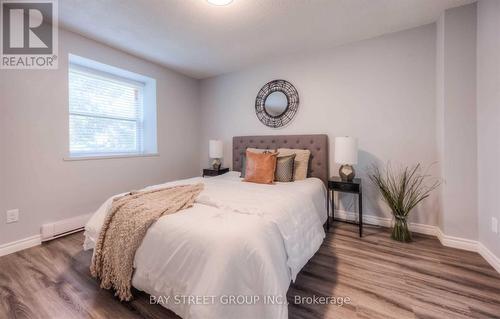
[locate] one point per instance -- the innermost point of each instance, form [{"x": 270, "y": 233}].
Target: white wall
[
  {"x": 440, "y": 111},
  {"x": 488, "y": 119},
  {"x": 381, "y": 91},
  {"x": 34, "y": 140},
  {"x": 456, "y": 125}
]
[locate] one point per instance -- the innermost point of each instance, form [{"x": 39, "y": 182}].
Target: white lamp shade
[
  {"x": 215, "y": 149},
  {"x": 346, "y": 150}
]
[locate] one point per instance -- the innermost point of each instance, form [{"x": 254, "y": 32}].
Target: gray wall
[
  {"x": 34, "y": 140},
  {"x": 409, "y": 97},
  {"x": 456, "y": 125},
  {"x": 488, "y": 116},
  {"x": 381, "y": 91}
]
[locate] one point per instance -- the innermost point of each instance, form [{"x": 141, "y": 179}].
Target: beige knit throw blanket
[{"x": 125, "y": 227}]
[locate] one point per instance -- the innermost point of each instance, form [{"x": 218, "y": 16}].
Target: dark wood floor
[{"x": 383, "y": 279}]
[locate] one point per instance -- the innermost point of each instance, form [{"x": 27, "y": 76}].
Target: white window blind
[{"x": 105, "y": 113}]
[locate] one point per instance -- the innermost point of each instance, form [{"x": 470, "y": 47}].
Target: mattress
[{"x": 234, "y": 253}]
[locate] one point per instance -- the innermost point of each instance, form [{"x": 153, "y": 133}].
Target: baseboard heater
[{"x": 64, "y": 227}]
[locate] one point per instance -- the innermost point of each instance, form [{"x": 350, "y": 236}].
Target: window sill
[{"x": 101, "y": 157}]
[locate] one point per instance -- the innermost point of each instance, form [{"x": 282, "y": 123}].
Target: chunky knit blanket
[{"x": 125, "y": 227}]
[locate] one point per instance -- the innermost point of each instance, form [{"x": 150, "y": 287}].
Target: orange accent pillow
[{"x": 260, "y": 167}]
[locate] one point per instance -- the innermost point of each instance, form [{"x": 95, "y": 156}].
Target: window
[{"x": 111, "y": 111}]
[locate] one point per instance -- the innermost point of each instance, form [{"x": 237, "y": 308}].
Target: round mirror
[{"x": 276, "y": 103}]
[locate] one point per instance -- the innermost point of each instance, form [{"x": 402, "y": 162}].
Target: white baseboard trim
[
  {"x": 446, "y": 240},
  {"x": 456, "y": 242},
  {"x": 21, "y": 244},
  {"x": 489, "y": 256},
  {"x": 76, "y": 223},
  {"x": 385, "y": 222},
  {"x": 449, "y": 241}
]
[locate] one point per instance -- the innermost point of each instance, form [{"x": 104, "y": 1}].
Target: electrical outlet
[
  {"x": 12, "y": 216},
  {"x": 494, "y": 225}
]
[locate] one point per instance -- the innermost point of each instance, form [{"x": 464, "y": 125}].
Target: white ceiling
[{"x": 203, "y": 40}]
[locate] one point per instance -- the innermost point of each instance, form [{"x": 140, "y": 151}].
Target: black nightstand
[
  {"x": 337, "y": 184},
  {"x": 214, "y": 172}
]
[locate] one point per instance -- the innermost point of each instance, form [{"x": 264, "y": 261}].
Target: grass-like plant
[{"x": 402, "y": 190}]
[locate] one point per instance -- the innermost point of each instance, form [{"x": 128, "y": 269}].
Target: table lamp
[
  {"x": 346, "y": 154},
  {"x": 215, "y": 149}
]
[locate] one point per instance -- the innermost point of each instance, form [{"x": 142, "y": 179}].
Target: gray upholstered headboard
[{"x": 317, "y": 144}]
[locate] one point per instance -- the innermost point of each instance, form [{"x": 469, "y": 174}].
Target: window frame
[{"x": 147, "y": 89}]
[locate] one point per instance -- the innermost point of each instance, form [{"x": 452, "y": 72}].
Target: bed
[{"x": 235, "y": 252}]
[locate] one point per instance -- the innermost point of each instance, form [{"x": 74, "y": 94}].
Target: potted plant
[{"x": 402, "y": 190}]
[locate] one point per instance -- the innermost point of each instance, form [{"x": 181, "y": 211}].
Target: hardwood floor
[{"x": 382, "y": 278}]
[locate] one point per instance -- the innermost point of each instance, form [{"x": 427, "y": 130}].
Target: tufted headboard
[{"x": 317, "y": 144}]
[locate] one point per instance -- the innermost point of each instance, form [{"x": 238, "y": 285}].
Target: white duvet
[{"x": 234, "y": 253}]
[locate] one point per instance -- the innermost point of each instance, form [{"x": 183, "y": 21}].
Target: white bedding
[{"x": 239, "y": 239}]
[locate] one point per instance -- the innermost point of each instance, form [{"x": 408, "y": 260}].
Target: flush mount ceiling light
[{"x": 220, "y": 2}]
